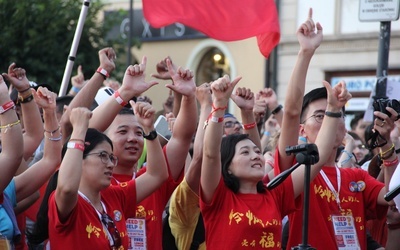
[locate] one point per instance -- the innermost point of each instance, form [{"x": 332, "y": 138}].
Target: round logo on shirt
[
  {"x": 361, "y": 186},
  {"x": 353, "y": 186},
  {"x": 117, "y": 215}
]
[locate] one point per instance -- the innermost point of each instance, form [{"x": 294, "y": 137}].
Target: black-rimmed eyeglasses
[{"x": 319, "y": 117}]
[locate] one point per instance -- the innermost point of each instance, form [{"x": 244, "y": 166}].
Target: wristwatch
[
  {"x": 151, "y": 136},
  {"x": 27, "y": 99}
]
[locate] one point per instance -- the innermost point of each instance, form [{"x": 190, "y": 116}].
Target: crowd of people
[{"x": 84, "y": 172}]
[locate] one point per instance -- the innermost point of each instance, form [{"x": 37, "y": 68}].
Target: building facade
[{"x": 349, "y": 51}]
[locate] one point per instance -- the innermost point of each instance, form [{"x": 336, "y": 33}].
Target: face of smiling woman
[{"x": 248, "y": 162}]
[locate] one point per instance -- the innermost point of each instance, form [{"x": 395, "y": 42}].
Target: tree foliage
[{"x": 37, "y": 35}]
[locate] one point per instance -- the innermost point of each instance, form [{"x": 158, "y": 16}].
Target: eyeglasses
[
  {"x": 231, "y": 124},
  {"x": 319, "y": 117},
  {"x": 112, "y": 229},
  {"x": 105, "y": 157}
]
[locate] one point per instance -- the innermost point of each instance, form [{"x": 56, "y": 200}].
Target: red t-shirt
[
  {"x": 244, "y": 221},
  {"x": 361, "y": 205},
  {"x": 153, "y": 206},
  {"x": 83, "y": 228}
]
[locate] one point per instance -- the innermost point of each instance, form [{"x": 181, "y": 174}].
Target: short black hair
[
  {"x": 313, "y": 95},
  {"x": 354, "y": 121}
]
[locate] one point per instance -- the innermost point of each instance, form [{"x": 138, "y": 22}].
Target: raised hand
[
  {"x": 222, "y": 89},
  {"x": 44, "y": 98},
  {"x": 162, "y": 69},
  {"x": 107, "y": 57},
  {"x": 144, "y": 113},
  {"x": 338, "y": 95},
  {"x": 134, "y": 79},
  {"x": 80, "y": 118},
  {"x": 78, "y": 80},
  {"x": 309, "y": 39},
  {"x": 17, "y": 77},
  {"x": 183, "y": 80},
  {"x": 243, "y": 98},
  {"x": 203, "y": 94}
]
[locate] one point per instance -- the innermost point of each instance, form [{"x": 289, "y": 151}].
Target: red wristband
[
  {"x": 103, "y": 72},
  {"x": 118, "y": 98},
  {"x": 7, "y": 106},
  {"x": 249, "y": 126},
  {"x": 74, "y": 145},
  {"x": 391, "y": 163},
  {"x": 216, "y": 119}
]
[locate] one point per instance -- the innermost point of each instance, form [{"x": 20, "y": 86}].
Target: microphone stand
[{"x": 306, "y": 154}]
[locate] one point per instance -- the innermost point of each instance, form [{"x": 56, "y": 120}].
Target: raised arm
[
  {"x": 133, "y": 84},
  {"x": 244, "y": 99},
  {"x": 384, "y": 124},
  {"x": 203, "y": 95},
  {"x": 11, "y": 138},
  {"x": 211, "y": 166},
  {"x": 309, "y": 41},
  {"x": 156, "y": 167},
  {"x": 25, "y": 185},
  {"x": 32, "y": 120},
  {"x": 86, "y": 95},
  {"x": 326, "y": 139},
  {"x": 186, "y": 121},
  {"x": 69, "y": 176}
]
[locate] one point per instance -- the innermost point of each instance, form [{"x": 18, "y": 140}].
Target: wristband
[
  {"x": 391, "y": 163},
  {"x": 216, "y": 119},
  {"x": 7, "y": 106},
  {"x": 333, "y": 114},
  {"x": 73, "y": 145},
  {"x": 75, "y": 89},
  {"x": 249, "y": 126},
  {"x": 118, "y": 98},
  {"x": 103, "y": 72},
  {"x": 277, "y": 109}
]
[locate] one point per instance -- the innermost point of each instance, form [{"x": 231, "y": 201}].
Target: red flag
[{"x": 225, "y": 20}]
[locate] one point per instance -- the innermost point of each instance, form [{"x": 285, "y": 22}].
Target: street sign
[{"x": 379, "y": 10}]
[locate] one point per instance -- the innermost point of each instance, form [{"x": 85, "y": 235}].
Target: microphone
[{"x": 392, "y": 194}]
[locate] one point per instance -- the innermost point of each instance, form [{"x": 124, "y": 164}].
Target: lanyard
[
  {"x": 330, "y": 186},
  {"x": 110, "y": 239}
]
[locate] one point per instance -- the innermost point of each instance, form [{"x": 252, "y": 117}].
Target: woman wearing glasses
[{"x": 85, "y": 211}]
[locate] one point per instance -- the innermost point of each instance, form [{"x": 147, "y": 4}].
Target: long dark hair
[
  {"x": 228, "y": 146},
  {"x": 40, "y": 230}
]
